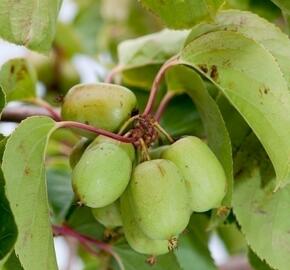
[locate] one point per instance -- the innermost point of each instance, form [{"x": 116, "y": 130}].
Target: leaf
[
  {"x": 178, "y": 14},
  {"x": 2, "y": 99},
  {"x": 151, "y": 49},
  {"x": 83, "y": 221},
  {"x": 24, "y": 173},
  {"x": 256, "y": 262},
  {"x": 88, "y": 24},
  {"x": 8, "y": 229},
  {"x": 263, "y": 8},
  {"x": 267, "y": 34},
  {"x": 283, "y": 4},
  {"x": 182, "y": 78},
  {"x": 12, "y": 263},
  {"x": 237, "y": 127},
  {"x": 141, "y": 58},
  {"x": 232, "y": 238},
  {"x": 182, "y": 120},
  {"x": 18, "y": 79},
  {"x": 60, "y": 193},
  {"x": 252, "y": 80},
  {"x": 263, "y": 217},
  {"x": 192, "y": 252},
  {"x": 30, "y": 23},
  {"x": 133, "y": 260}
]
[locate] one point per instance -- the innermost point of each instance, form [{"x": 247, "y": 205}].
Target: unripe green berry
[
  {"x": 109, "y": 216},
  {"x": 159, "y": 199},
  {"x": 202, "y": 171},
  {"x": 127, "y": 147},
  {"x": 101, "y": 105},
  {"x": 136, "y": 238},
  {"x": 101, "y": 175}
]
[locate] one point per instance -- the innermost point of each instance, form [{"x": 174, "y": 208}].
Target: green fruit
[
  {"x": 78, "y": 151},
  {"x": 156, "y": 153},
  {"x": 160, "y": 199},
  {"x": 101, "y": 105},
  {"x": 134, "y": 235},
  {"x": 127, "y": 147},
  {"x": 202, "y": 171},
  {"x": 109, "y": 215},
  {"x": 68, "y": 76},
  {"x": 101, "y": 175}
]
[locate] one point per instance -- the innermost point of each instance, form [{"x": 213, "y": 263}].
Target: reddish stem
[
  {"x": 156, "y": 83},
  {"x": 99, "y": 131},
  {"x": 55, "y": 115},
  {"x": 112, "y": 74},
  {"x": 85, "y": 241},
  {"x": 163, "y": 104}
]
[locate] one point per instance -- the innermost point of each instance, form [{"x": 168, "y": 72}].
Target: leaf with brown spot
[
  {"x": 241, "y": 82},
  {"x": 31, "y": 23},
  {"x": 24, "y": 173}
]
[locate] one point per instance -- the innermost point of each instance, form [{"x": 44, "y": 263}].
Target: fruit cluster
[{"x": 152, "y": 199}]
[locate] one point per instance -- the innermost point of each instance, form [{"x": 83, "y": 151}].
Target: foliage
[{"x": 219, "y": 72}]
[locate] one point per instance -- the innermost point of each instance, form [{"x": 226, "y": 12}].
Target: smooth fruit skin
[
  {"x": 127, "y": 147},
  {"x": 101, "y": 175},
  {"x": 101, "y": 105},
  {"x": 109, "y": 216},
  {"x": 78, "y": 151},
  {"x": 202, "y": 171},
  {"x": 134, "y": 235},
  {"x": 160, "y": 199}
]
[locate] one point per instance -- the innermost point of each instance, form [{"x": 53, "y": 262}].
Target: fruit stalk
[
  {"x": 156, "y": 83},
  {"x": 85, "y": 241},
  {"x": 41, "y": 103},
  {"x": 99, "y": 131},
  {"x": 163, "y": 104}
]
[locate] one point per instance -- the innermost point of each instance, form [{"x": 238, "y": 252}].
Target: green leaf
[
  {"x": 83, "y": 221},
  {"x": 133, "y": 260},
  {"x": 264, "y": 8},
  {"x": 181, "y": 78},
  {"x": 8, "y": 229},
  {"x": 12, "y": 263},
  {"x": 248, "y": 75},
  {"x": 88, "y": 25},
  {"x": 263, "y": 217},
  {"x": 283, "y": 4},
  {"x": 182, "y": 120},
  {"x": 2, "y": 99},
  {"x": 237, "y": 127},
  {"x": 60, "y": 193},
  {"x": 141, "y": 58},
  {"x": 18, "y": 79},
  {"x": 192, "y": 252},
  {"x": 232, "y": 238},
  {"x": 267, "y": 34},
  {"x": 178, "y": 14},
  {"x": 30, "y": 23},
  {"x": 24, "y": 173},
  {"x": 256, "y": 262},
  {"x": 151, "y": 49}
]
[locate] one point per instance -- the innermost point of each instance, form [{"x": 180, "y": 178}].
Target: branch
[
  {"x": 236, "y": 263},
  {"x": 17, "y": 114}
]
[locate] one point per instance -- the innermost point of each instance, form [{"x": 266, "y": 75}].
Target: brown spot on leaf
[
  {"x": 214, "y": 72},
  {"x": 260, "y": 211},
  {"x": 203, "y": 68},
  {"x": 12, "y": 69},
  {"x": 27, "y": 171}
]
